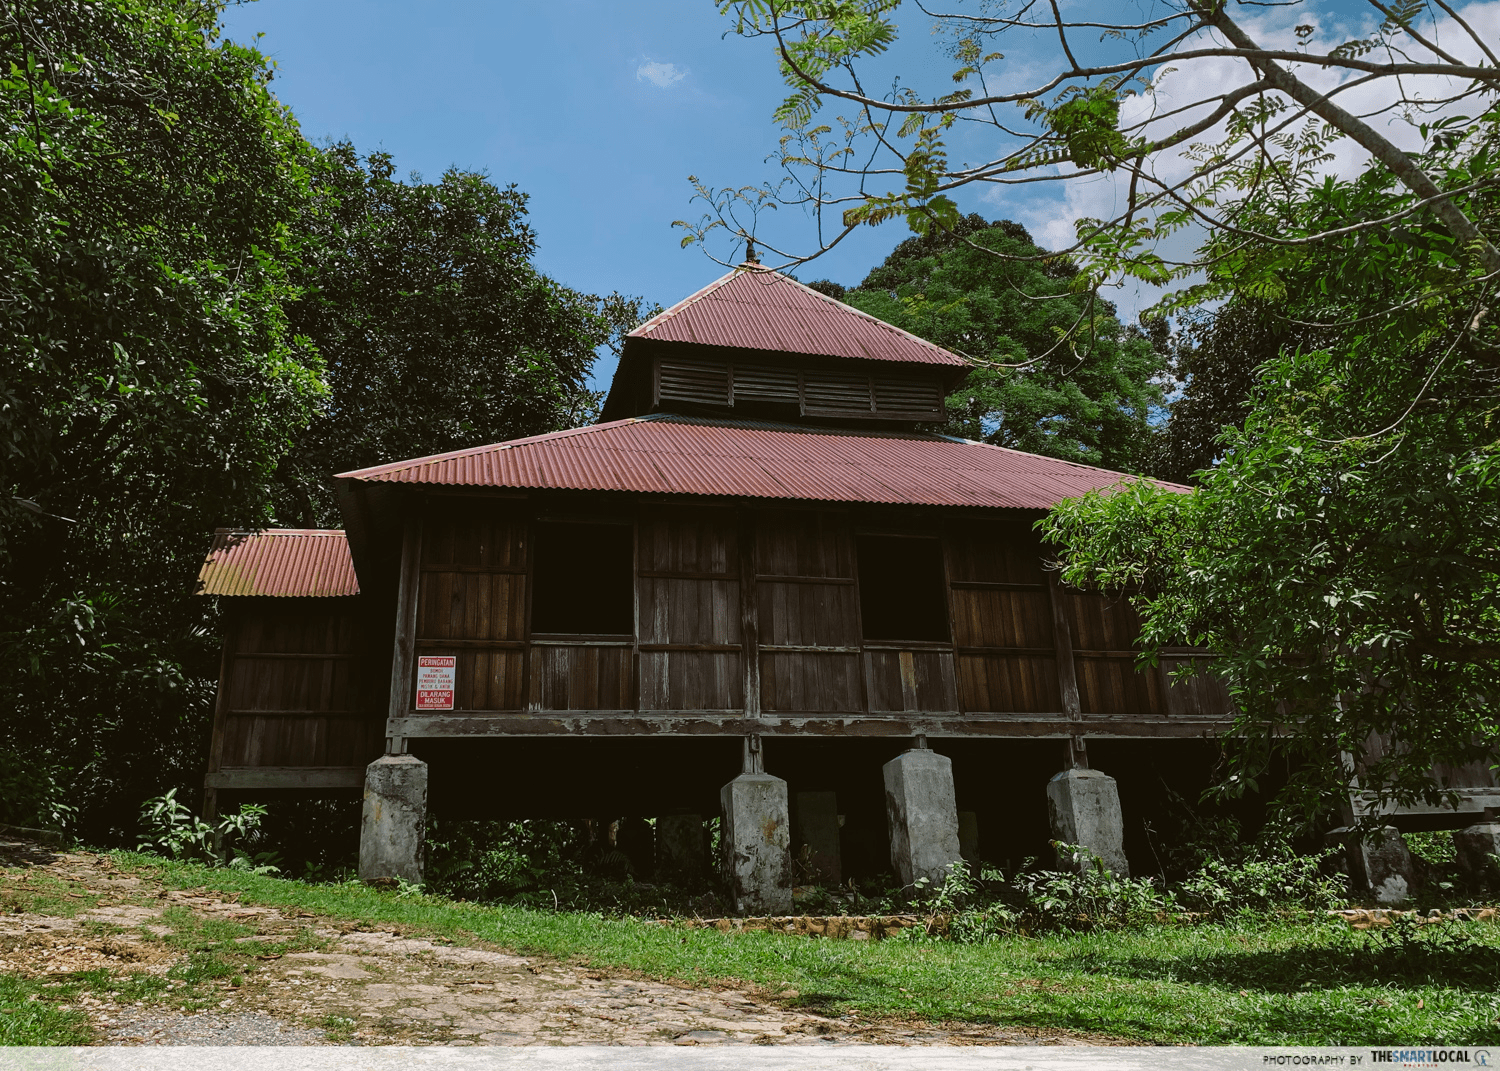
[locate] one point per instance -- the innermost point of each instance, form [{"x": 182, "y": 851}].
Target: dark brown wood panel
[
  {"x": 471, "y": 593},
  {"x": 796, "y": 542},
  {"x": 688, "y": 595},
  {"x": 293, "y": 684},
  {"x": 471, "y": 605},
  {"x": 1111, "y": 685},
  {"x": 676, "y": 540},
  {"x": 475, "y": 534},
  {"x": 800, "y": 614},
  {"x": 988, "y": 617},
  {"x": 263, "y": 740},
  {"x": 291, "y": 626},
  {"x": 581, "y": 678},
  {"x": 910, "y": 681},
  {"x": 1201, "y": 693},
  {"x": 804, "y": 681},
  {"x": 691, "y": 680},
  {"x": 296, "y": 690},
  {"x": 485, "y": 678},
  {"x": 689, "y": 610},
  {"x": 1006, "y": 683},
  {"x": 1006, "y": 552}
]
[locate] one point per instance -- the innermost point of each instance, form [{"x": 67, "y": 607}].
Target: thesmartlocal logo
[{"x": 1431, "y": 1057}]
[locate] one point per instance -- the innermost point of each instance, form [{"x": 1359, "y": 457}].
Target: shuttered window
[
  {"x": 907, "y": 394},
  {"x": 702, "y": 382},
  {"x": 762, "y": 383},
  {"x": 818, "y": 392},
  {"x": 836, "y": 394}
]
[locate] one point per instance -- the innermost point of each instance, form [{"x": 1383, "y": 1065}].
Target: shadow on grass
[{"x": 1448, "y": 954}]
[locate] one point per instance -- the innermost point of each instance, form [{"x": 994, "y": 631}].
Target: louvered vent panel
[
  {"x": 836, "y": 393},
  {"x": 900, "y": 394},
  {"x": 758, "y": 383},
  {"x": 704, "y": 382}
]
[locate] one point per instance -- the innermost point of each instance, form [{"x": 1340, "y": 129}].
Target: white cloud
[
  {"x": 661, "y": 75},
  {"x": 1051, "y": 218}
]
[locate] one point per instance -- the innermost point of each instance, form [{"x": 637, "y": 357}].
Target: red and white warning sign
[{"x": 435, "y": 682}]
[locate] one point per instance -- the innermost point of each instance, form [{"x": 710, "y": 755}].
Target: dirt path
[{"x": 282, "y": 977}]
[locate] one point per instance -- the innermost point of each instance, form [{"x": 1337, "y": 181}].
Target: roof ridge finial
[{"x": 750, "y": 257}]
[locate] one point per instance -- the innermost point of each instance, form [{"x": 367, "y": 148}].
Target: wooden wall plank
[{"x": 581, "y": 678}]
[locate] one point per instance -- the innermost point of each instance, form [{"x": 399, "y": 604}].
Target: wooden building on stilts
[{"x": 752, "y": 590}]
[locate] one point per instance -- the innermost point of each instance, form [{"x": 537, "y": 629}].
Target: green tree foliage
[
  {"x": 1340, "y": 559},
  {"x": 201, "y": 318},
  {"x": 1057, "y": 373},
  {"x": 1215, "y": 359},
  {"x": 149, "y": 186},
  {"x": 437, "y": 330}
]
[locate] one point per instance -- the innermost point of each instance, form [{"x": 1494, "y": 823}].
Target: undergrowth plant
[{"x": 174, "y": 831}]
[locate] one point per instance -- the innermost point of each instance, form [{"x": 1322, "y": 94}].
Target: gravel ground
[{"x": 150, "y": 1027}]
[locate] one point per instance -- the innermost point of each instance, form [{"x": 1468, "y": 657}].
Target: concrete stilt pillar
[
  {"x": 923, "y": 815},
  {"x": 679, "y": 847},
  {"x": 1383, "y": 865},
  {"x": 1084, "y": 807},
  {"x": 1477, "y": 846},
  {"x": 393, "y": 831},
  {"x": 757, "y": 840},
  {"x": 818, "y": 828}
]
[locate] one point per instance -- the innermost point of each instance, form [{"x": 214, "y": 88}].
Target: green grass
[
  {"x": 1274, "y": 982},
  {"x": 28, "y": 1017}
]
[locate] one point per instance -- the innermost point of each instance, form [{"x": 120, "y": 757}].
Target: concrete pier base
[
  {"x": 393, "y": 830},
  {"x": 1084, "y": 807},
  {"x": 816, "y": 844},
  {"x": 757, "y": 840},
  {"x": 1383, "y": 865},
  {"x": 923, "y": 815},
  {"x": 1477, "y": 847},
  {"x": 679, "y": 847}
]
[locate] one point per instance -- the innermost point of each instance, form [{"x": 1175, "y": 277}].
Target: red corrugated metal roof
[
  {"x": 669, "y": 454},
  {"x": 290, "y": 562},
  {"x": 755, "y": 308}
]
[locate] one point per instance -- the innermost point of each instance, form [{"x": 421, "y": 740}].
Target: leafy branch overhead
[{"x": 1108, "y": 103}]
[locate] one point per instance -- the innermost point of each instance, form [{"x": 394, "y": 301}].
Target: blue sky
[
  {"x": 600, "y": 111},
  {"x": 560, "y": 99}
]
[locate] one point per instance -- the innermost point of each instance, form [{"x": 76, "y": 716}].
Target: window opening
[
  {"x": 901, "y": 588},
  {"x": 583, "y": 579}
]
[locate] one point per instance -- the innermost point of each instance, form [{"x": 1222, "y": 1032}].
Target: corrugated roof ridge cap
[
  {"x": 697, "y": 295},
  {"x": 1081, "y": 465},
  {"x": 477, "y": 451}
]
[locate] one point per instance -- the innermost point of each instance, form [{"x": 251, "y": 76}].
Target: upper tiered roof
[{"x": 758, "y": 309}]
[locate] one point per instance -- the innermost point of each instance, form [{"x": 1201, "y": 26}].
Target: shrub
[
  {"x": 1271, "y": 876},
  {"x": 33, "y": 793},
  {"x": 175, "y": 832},
  {"x": 1089, "y": 897}
]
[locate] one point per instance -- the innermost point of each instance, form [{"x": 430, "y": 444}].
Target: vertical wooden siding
[
  {"x": 295, "y": 688},
  {"x": 1105, "y": 630},
  {"x": 1002, "y": 619},
  {"x": 689, "y": 624},
  {"x": 693, "y": 565},
  {"x": 471, "y": 600},
  {"x": 808, "y": 609}
]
